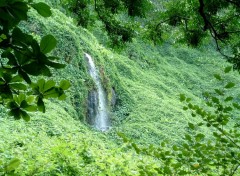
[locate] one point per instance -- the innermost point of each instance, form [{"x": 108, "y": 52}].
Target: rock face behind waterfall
[
  {"x": 98, "y": 114},
  {"x": 92, "y": 106}
]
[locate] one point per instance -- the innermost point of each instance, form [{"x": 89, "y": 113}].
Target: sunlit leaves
[
  {"x": 47, "y": 89},
  {"x": 25, "y": 59},
  {"x": 19, "y": 107},
  {"x": 48, "y": 43},
  {"x": 12, "y": 165},
  {"x": 64, "y": 84},
  {"x": 43, "y": 9},
  {"x": 203, "y": 152}
]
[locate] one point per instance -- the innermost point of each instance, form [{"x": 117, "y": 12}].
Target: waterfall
[{"x": 100, "y": 106}]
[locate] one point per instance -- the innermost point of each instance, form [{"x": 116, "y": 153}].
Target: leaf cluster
[
  {"x": 194, "y": 20},
  {"x": 107, "y": 11},
  {"x": 23, "y": 58},
  {"x": 215, "y": 153}
]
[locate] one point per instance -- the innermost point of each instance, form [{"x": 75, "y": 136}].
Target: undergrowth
[{"x": 147, "y": 79}]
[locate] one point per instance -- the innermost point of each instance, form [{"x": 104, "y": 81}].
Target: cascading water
[{"x": 101, "y": 121}]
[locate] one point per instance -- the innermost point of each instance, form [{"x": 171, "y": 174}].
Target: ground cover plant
[{"x": 148, "y": 79}]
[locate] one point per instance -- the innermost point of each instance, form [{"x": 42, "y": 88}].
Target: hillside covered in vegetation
[{"x": 146, "y": 84}]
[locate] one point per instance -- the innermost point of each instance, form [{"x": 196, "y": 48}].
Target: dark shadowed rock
[
  {"x": 92, "y": 107},
  {"x": 114, "y": 97}
]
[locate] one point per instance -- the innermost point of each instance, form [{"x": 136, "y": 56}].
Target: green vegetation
[
  {"x": 22, "y": 58},
  {"x": 150, "y": 125}
]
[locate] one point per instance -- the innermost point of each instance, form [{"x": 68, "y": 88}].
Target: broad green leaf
[
  {"x": 182, "y": 172},
  {"x": 227, "y": 109},
  {"x": 175, "y": 148},
  {"x": 167, "y": 170},
  {"x": 21, "y": 97},
  {"x": 34, "y": 68},
  {"x": 30, "y": 99},
  {"x": 41, "y": 84},
  {"x": 12, "y": 165},
  {"x": 18, "y": 10},
  {"x": 42, "y": 8},
  {"x": 62, "y": 97},
  {"x": 215, "y": 100},
  {"x": 36, "y": 48},
  {"x": 53, "y": 58},
  {"x": 228, "y": 69},
  {"x": 190, "y": 105},
  {"x": 46, "y": 71},
  {"x": 19, "y": 37},
  {"x": 163, "y": 144},
  {"x": 136, "y": 148},
  {"x": 228, "y": 99},
  {"x": 51, "y": 93},
  {"x": 2, "y": 37},
  {"x": 199, "y": 137},
  {"x": 48, "y": 85},
  {"x": 217, "y": 76},
  {"x": 188, "y": 137},
  {"x": 55, "y": 65},
  {"x": 230, "y": 85},
  {"x": 64, "y": 84},
  {"x": 12, "y": 105},
  {"x": 15, "y": 113},
  {"x": 236, "y": 105},
  {"x": 48, "y": 43},
  {"x": 18, "y": 86},
  {"x": 16, "y": 78},
  {"x": 191, "y": 126},
  {"x": 31, "y": 108},
  {"x": 7, "y": 77},
  {"x": 25, "y": 76},
  {"x": 24, "y": 104},
  {"x": 193, "y": 115},
  {"x": 25, "y": 116},
  {"x": 21, "y": 57},
  {"x": 11, "y": 58},
  {"x": 182, "y": 97},
  {"x": 41, "y": 106},
  {"x": 125, "y": 139}
]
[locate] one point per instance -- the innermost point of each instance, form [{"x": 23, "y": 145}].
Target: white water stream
[{"x": 101, "y": 120}]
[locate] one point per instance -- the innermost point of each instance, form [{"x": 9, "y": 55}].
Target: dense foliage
[
  {"x": 195, "y": 19},
  {"x": 189, "y": 21},
  {"x": 215, "y": 154},
  {"x": 146, "y": 78},
  {"x": 22, "y": 57},
  {"x": 119, "y": 29}
]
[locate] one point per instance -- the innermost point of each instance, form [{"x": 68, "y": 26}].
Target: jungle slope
[{"x": 147, "y": 80}]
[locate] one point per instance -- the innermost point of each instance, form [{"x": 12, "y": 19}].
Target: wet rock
[
  {"x": 92, "y": 107},
  {"x": 114, "y": 97}
]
